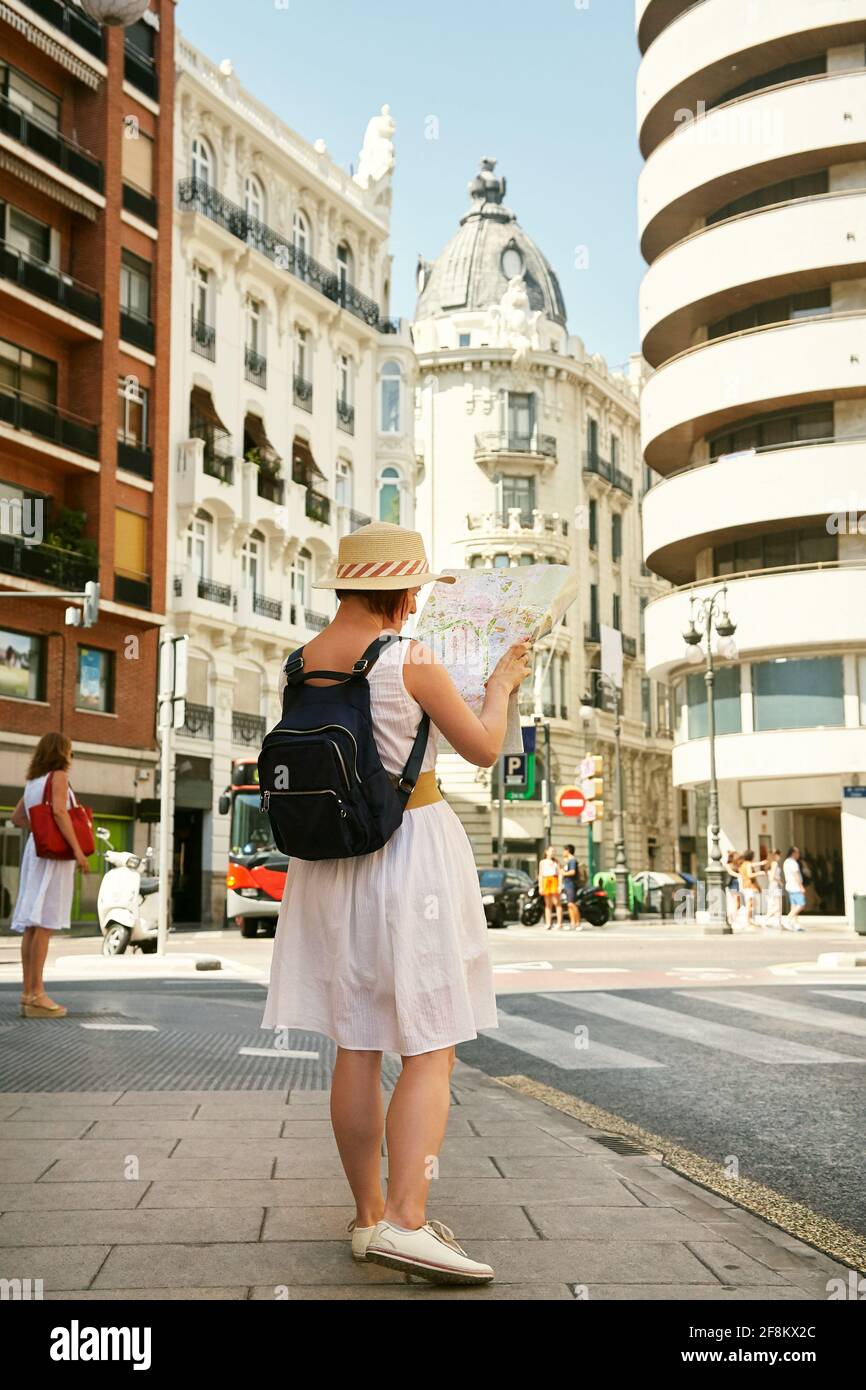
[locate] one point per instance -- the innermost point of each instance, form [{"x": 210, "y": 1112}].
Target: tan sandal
[
  {"x": 49, "y": 1010},
  {"x": 25, "y": 1000}
]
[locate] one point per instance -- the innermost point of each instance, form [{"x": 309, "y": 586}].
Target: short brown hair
[
  {"x": 53, "y": 753},
  {"x": 385, "y": 603}
]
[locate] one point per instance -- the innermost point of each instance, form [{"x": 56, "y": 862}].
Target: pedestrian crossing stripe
[
  {"x": 857, "y": 995},
  {"x": 276, "y": 1052},
  {"x": 787, "y": 1009},
  {"x": 559, "y": 1048}
]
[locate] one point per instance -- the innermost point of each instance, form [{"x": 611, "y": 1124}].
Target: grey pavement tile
[
  {"x": 74, "y": 1196},
  {"x": 87, "y": 1168},
  {"x": 821, "y": 1285},
  {"x": 531, "y": 1141},
  {"x": 142, "y": 1226},
  {"x": 569, "y": 1165},
  {"x": 25, "y": 1170},
  {"x": 88, "y": 1114},
  {"x": 100, "y": 1098},
  {"x": 44, "y": 1129},
  {"x": 306, "y": 1129},
  {"x": 195, "y": 1147},
  {"x": 733, "y": 1266},
  {"x": 329, "y": 1223},
  {"x": 681, "y": 1198},
  {"x": 248, "y": 1191},
  {"x": 309, "y": 1097},
  {"x": 787, "y": 1258},
  {"x": 450, "y": 1166},
  {"x": 59, "y": 1267},
  {"x": 582, "y": 1261},
  {"x": 447, "y": 1193},
  {"x": 662, "y": 1181},
  {"x": 185, "y": 1295},
  {"x": 257, "y": 1107},
  {"x": 418, "y": 1289},
  {"x": 197, "y": 1097},
  {"x": 97, "y": 1151},
  {"x": 262, "y": 1263},
  {"x": 202, "y": 1130},
  {"x": 664, "y": 1293},
  {"x": 614, "y": 1223}
]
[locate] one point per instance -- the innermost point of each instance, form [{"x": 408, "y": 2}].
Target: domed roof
[{"x": 489, "y": 249}]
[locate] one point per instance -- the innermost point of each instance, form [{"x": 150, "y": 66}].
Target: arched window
[
  {"x": 203, "y": 165},
  {"x": 345, "y": 268},
  {"x": 301, "y": 235},
  {"x": 254, "y": 198},
  {"x": 389, "y": 496},
  {"x": 391, "y": 384},
  {"x": 199, "y": 544}
]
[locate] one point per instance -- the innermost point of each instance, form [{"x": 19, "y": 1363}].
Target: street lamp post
[
  {"x": 620, "y": 868},
  {"x": 704, "y": 619}
]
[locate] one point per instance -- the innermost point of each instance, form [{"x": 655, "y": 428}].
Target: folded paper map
[{"x": 471, "y": 623}]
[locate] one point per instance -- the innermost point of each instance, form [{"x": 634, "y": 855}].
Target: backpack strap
[{"x": 412, "y": 770}]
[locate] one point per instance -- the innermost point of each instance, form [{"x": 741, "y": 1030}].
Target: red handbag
[{"x": 50, "y": 842}]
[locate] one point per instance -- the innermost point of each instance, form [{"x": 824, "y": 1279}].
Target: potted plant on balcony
[{"x": 68, "y": 551}]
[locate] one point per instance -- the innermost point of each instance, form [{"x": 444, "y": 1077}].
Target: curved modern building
[{"x": 752, "y": 209}]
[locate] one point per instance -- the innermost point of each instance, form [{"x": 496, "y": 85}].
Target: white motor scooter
[{"x": 128, "y": 901}]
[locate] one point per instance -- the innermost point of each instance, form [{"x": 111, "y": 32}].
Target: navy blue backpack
[{"x": 321, "y": 778}]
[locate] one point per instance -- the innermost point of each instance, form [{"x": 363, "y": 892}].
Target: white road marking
[
  {"x": 276, "y": 1052},
  {"x": 120, "y": 1027},
  {"x": 558, "y": 1047},
  {"x": 858, "y": 995},
  {"x": 516, "y": 966},
  {"x": 760, "y": 1047},
  {"x": 786, "y": 1009},
  {"x": 596, "y": 970}
]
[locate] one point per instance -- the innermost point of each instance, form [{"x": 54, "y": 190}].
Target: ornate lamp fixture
[{"x": 114, "y": 12}]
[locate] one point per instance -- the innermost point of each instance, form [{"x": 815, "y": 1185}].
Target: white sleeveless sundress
[
  {"x": 45, "y": 886},
  {"x": 387, "y": 951}
]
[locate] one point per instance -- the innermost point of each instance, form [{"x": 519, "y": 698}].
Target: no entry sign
[{"x": 572, "y": 801}]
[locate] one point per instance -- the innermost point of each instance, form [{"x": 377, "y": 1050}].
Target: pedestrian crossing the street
[{"x": 554, "y": 1042}]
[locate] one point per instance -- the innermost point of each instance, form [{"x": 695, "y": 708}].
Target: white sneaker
[
  {"x": 360, "y": 1239},
  {"x": 431, "y": 1252}
]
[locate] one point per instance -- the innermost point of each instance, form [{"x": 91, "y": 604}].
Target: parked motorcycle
[
  {"x": 593, "y": 905},
  {"x": 127, "y": 905}
]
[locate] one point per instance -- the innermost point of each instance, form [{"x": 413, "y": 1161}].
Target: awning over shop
[
  {"x": 202, "y": 408},
  {"x": 254, "y": 428},
  {"x": 304, "y": 467}
]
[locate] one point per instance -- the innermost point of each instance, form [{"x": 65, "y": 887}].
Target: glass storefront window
[
  {"x": 726, "y": 703},
  {"x": 22, "y": 662},
  {"x": 801, "y": 694},
  {"x": 94, "y": 688}
]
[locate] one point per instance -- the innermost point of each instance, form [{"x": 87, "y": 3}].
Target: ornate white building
[
  {"x": 531, "y": 455},
  {"x": 291, "y": 418},
  {"x": 752, "y": 120}
]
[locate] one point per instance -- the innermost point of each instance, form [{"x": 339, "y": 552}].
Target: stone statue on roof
[
  {"x": 376, "y": 160},
  {"x": 512, "y": 323}
]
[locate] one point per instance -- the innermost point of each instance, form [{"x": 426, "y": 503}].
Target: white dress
[
  {"x": 45, "y": 886},
  {"x": 387, "y": 951}
]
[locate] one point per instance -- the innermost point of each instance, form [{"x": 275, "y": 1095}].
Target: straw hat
[{"x": 381, "y": 556}]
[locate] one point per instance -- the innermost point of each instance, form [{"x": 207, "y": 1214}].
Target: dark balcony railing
[
  {"x": 217, "y": 464},
  {"x": 592, "y": 632},
  {"x": 621, "y": 480},
  {"x": 141, "y": 72},
  {"x": 198, "y": 722},
  {"x": 203, "y": 339},
  {"x": 345, "y": 416},
  {"x": 390, "y": 325},
  {"x": 270, "y": 488},
  {"x": 65, "y": 569},
  {"x": 318, "y": 506},
  {"x": 267, "y": 607},
  {"x": 71, "y": 22},
  {"x": 214, "y": 593},
  {"x": 507, "y": 442},
  {"x": 196, "y": 196},
  {"x": 134, "y": 458},
  {"x": 48, "y": 143},
  {"x": 49, "y": 284},
  {"x": 134, "y": 590},
  {"x": 594, "y": 463},
  {"x": 136, "y": 330},
  {"x": 303, "y": 393},
  {"x": 248, "y": 729},
  {"x": 139, "y": 203},
  {"x": 629, "y": 646},
  {"x": 46, "y": 421},
  {"x": 256, "y": 367},
  {"x": 317, "y": 622}
]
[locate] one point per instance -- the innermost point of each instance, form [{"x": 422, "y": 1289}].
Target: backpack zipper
[
  {"x": 322, "y": 791},
  {"x": 323, "y": 728}
]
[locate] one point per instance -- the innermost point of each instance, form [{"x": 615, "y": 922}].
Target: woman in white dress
[
  {"x": 388, "y": 951},
  {"x": 44, "y": 903}
]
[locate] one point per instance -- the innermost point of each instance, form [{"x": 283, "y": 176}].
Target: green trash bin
[{"x": 860, "y": 914}]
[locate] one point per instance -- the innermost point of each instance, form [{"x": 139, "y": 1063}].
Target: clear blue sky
[{"x": 547, "y": 88}]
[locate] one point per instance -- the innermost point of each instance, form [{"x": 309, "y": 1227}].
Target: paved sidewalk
[{"x": 240, "y": 1195}]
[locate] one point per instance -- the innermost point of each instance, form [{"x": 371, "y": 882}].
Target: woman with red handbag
[{"x": 47, "y": 876}]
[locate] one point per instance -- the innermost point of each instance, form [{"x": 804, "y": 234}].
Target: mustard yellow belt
[{"x": 425, "y": 792}]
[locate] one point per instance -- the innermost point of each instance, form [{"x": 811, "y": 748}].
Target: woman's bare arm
[
  {"x": 19, "y": 816},
  {"x": 476, "y": 737},
  {"x": 59, "y": 800}
]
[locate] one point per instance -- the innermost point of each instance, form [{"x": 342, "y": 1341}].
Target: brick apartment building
[{"x": 85, "y": 269}]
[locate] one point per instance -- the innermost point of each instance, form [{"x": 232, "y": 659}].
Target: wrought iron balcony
[
  {"x": 203, "y": 339},
  {"x": 49, "y": 284},
  {"x": 390, "y": 325},
  {"x": 207, "y": 589},
  {"x": 139, "y": 203},
  {"x": 256, "y": 368},
  {"x": 621, "y": 480},
  {"x": 50, "y": 145},
  {"x": 248, "y": 729},
  {"x": 196, "y": 196},
  {"x": 136, "y": 329},
  {"x": 345, "y": 416},
  {"x": 267, "y": 607},
  {"x": 65, "y": 569},
  {"x": 46, "y": 421},
  {"x": 594, "y": 463},
  {"x": 140, "y": 71},
  {"x": 72, "y": 22},
  {"x": 135, "y": 458},
  {"x": 629, "y": 645},
  {"x": 270, "y": 488},
  {"x": 318, "y": 507},
  {"x": 132, "y": 589},
  {"x": 592, "y": 632},
  {"x": 316, "y": 622},
  {"x": 303, "y": 393},
  {"x": 518, "y": 521},
  {"x": 507, "y": 442},
  {"x": 198, "y": 722}
]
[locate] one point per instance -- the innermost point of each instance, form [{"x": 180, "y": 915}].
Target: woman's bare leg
[
  {"x": 358, "y": 1117},
  {"x": 41, "y": 939},
  {"x": 547, "y": 912},
  {"x": 414, "y": 1129},
  {"x": 26, "y": 944}
]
